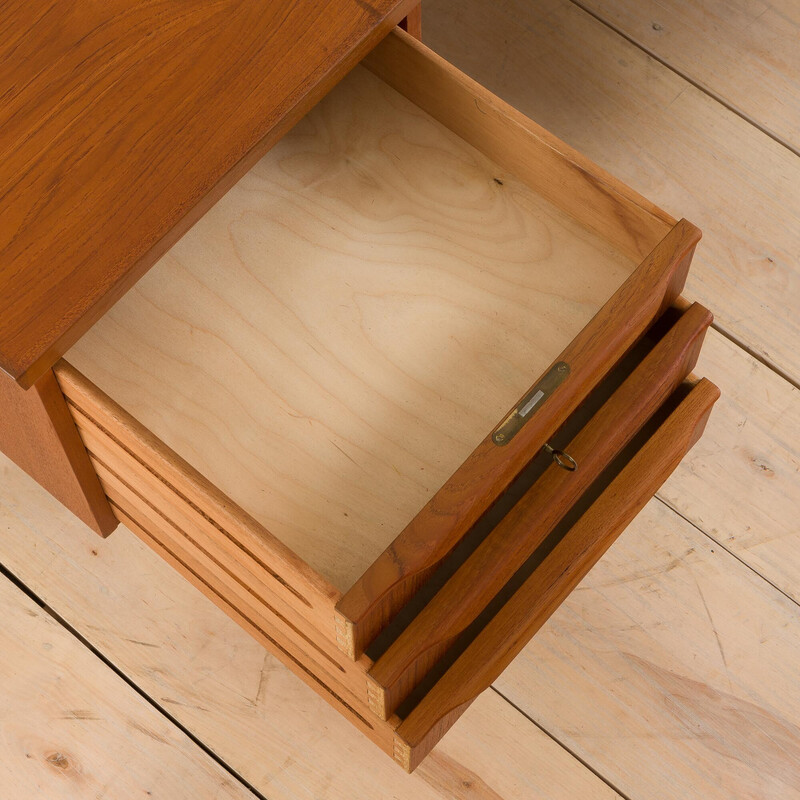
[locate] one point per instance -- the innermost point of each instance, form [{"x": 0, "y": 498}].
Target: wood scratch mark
[
  {"x": 263, "y": 679},
  {"x": 735, "y": 728},
  {"x": 346, "y": 455},
  {"x": 80, "y": 713},
  {"x": 714, "y": 628},
  {"x": 147, "y": 732},
  {"x": 185, "y": 705}
]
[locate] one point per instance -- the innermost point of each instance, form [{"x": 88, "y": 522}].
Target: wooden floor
[{"x": 673, "y": 671}]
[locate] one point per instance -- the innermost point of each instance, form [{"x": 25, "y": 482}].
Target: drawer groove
[
  {"x": 154, "y": 494},
  {"x": 306, "y": 591},
  {"x": 157, "y": 495},
  {"x": 123, "y": 496},
  {"x": 99, "y": 441},
  {"x": 146, "y": 495}
]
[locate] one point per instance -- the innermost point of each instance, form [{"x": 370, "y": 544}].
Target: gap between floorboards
[
  {"x": 756, "y": 355},
  {"x": 28, "y": 592},
  {"x": 728, "y": 550},
  {"x": 561, "y": 744},
  {"x": 751, "y": 351},
  {"x": 707, "y": 90}
]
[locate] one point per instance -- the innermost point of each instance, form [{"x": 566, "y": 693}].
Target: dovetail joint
[
  {"x": 375, "y": 699},
  {"x": 401, "y": 753},
  {"x": 344, "y": 635}
]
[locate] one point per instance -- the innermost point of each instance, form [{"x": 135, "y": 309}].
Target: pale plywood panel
[
  {"x": 667, "y": 139},
  {"x": 236, "y": 698},
  {"x": 332, "y": 340},
  {"x": 71, "y": 728},
  {"x": 672, "y": 670},
  {"x": 745, "y": 52}
]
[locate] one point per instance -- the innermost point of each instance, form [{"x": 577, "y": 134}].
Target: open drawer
[{"x": 308, "y": 404}]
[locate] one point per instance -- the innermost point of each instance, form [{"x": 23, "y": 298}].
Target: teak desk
[{"x": 384, "y": 381}]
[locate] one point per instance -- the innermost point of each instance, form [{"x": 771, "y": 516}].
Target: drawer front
[
  {"x": 557, "y": 574},
  {"x": 409, "y": 561},
  {"x": 602, "y": 204},
  {"x": 465, "y": 595}
]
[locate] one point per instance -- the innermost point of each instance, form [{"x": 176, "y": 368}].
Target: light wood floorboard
[
  {"x": 744, "y": 52},
  {"x": 70, "y": 727},
  {"x": 671, "y": 670}
]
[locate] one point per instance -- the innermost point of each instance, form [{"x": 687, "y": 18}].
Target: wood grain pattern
[
  {"x": 218, "y": 681},
  {"x": 393, "y": 578},
  {"x": 124, "y": 122},
  {"x": 552, "y": 581},
  {"x": 331, "y": 341},
  {"x": 660, "y": 135},
  {"x": 515, "y": 538},
  {"x": 37, "y": 433},
  {"x": 71, "y": 728}
]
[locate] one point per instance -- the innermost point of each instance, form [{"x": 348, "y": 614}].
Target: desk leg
[
  {"x": 38, "y": 434},
  {"x": 413, "y": 22}
]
